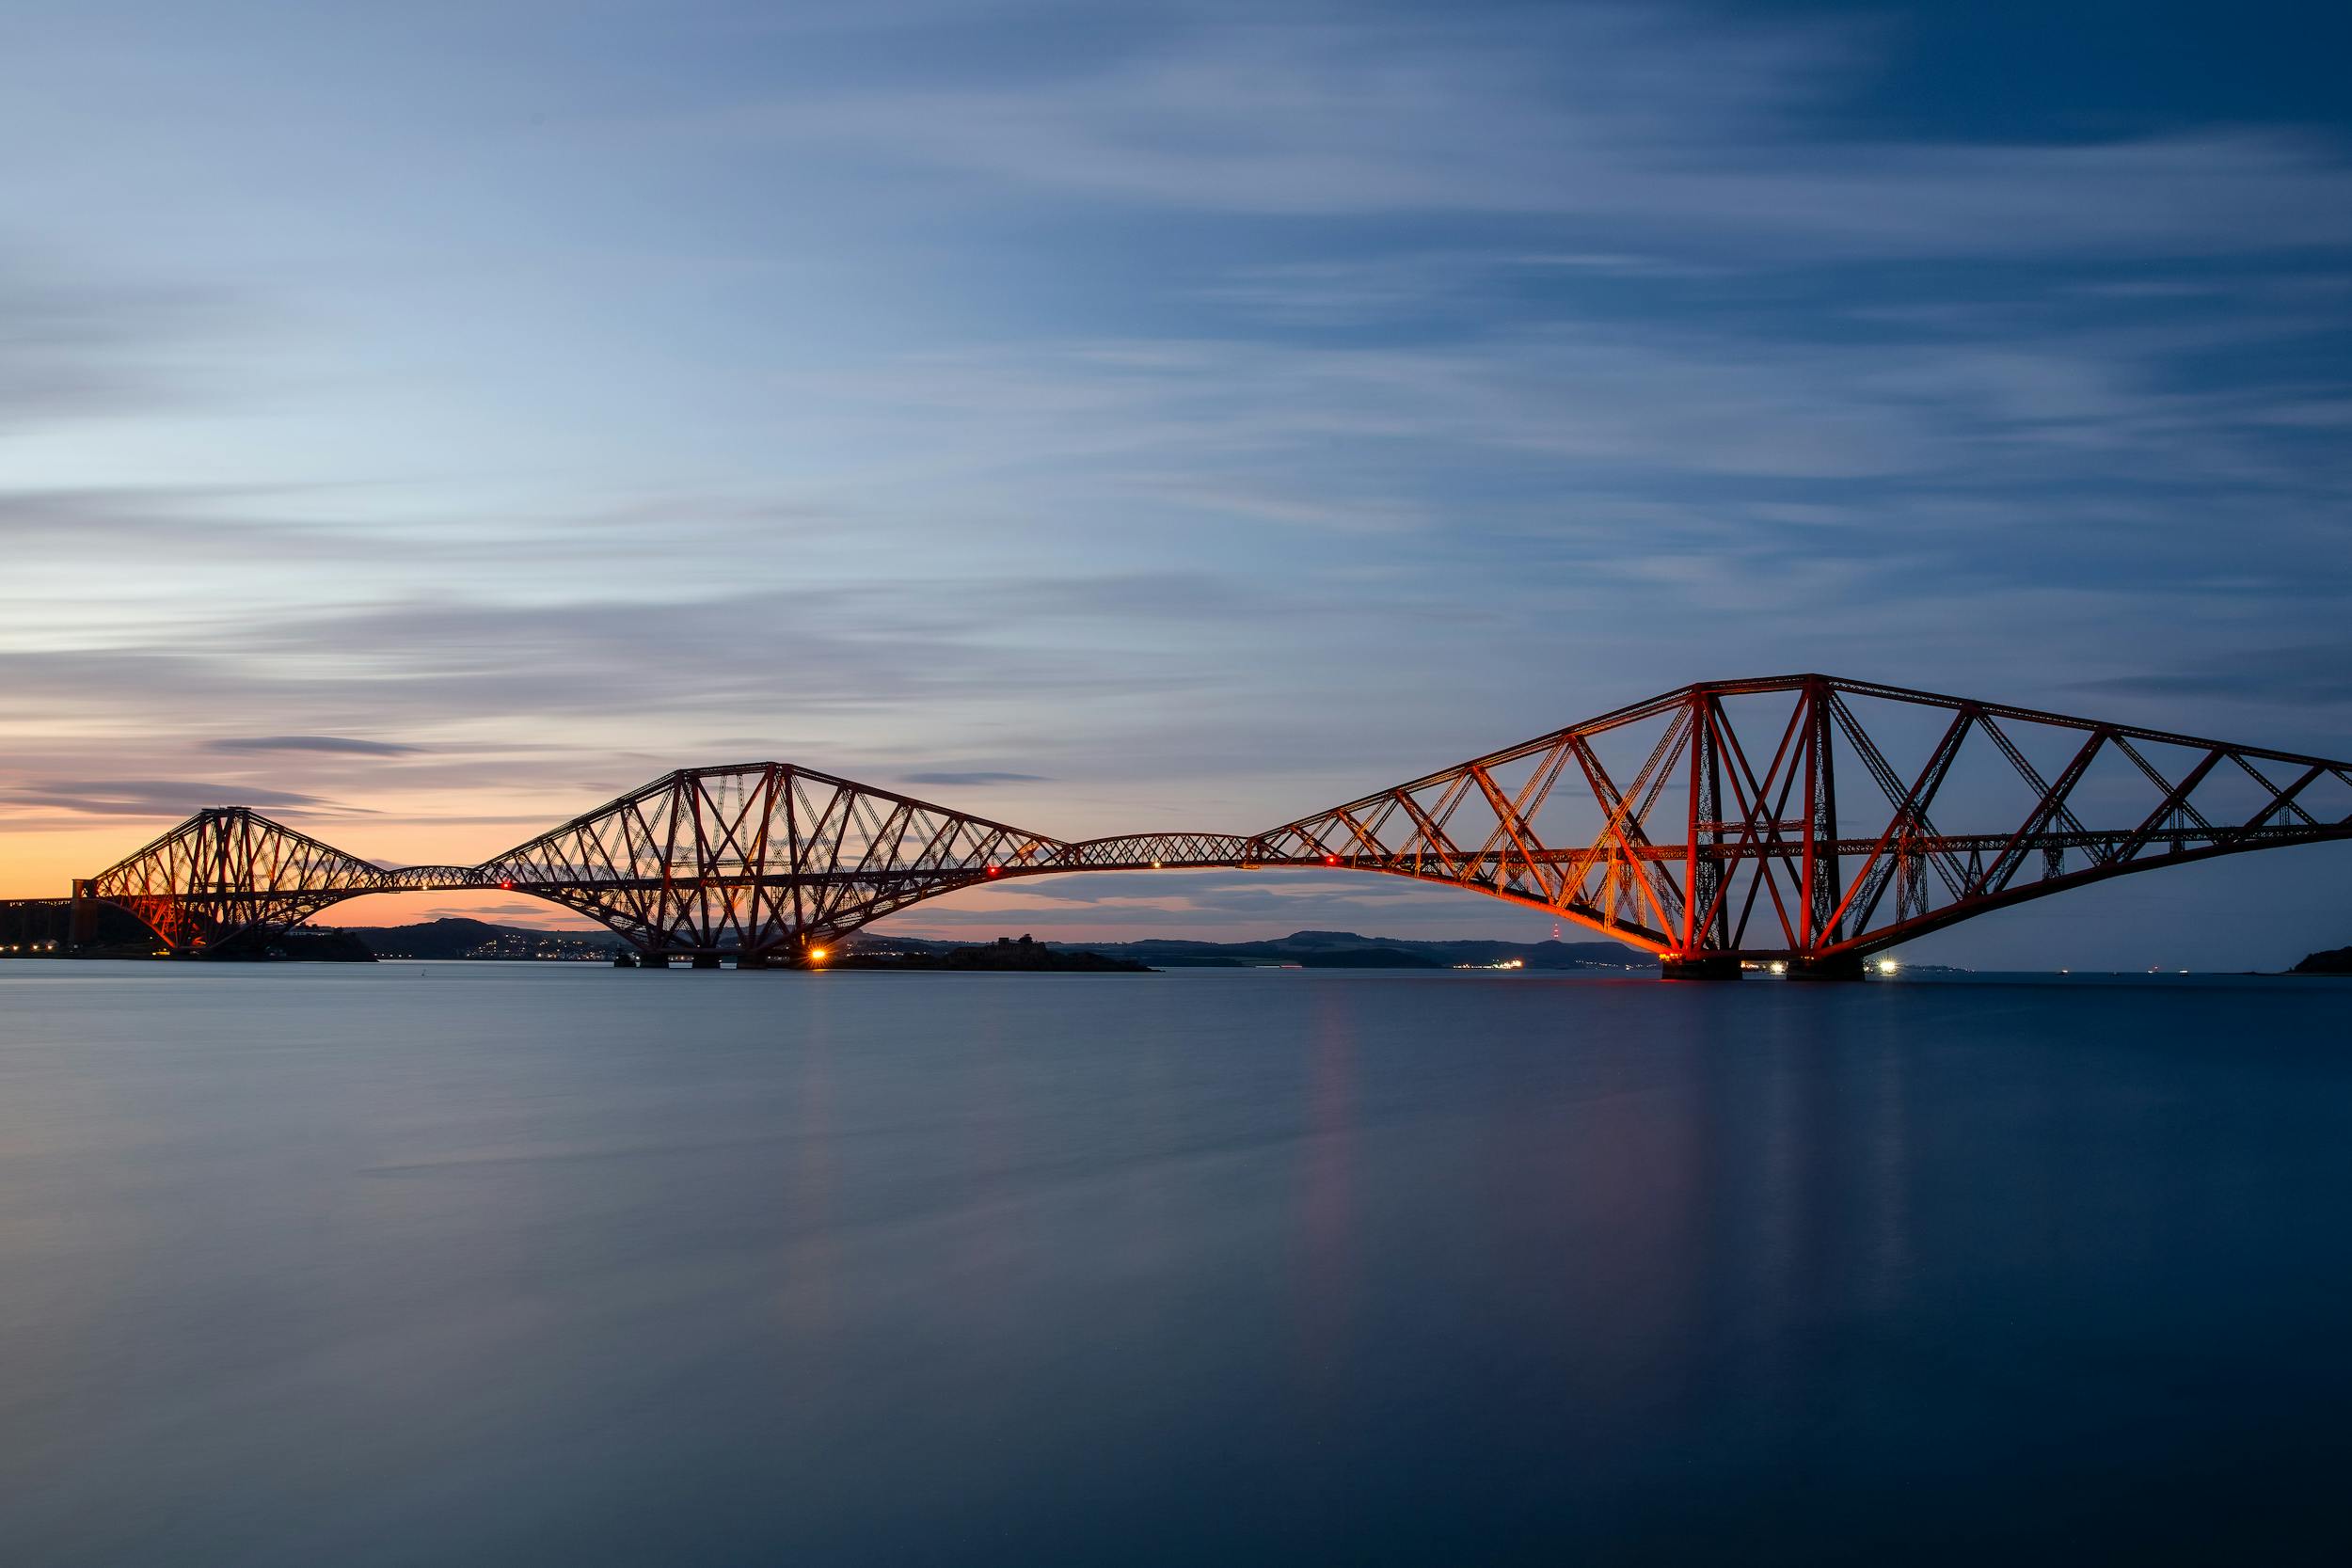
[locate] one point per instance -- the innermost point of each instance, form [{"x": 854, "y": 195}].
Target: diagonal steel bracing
[{"x": 1729, "y": 839}]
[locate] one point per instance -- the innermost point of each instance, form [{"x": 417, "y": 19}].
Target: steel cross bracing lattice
[
  {"x": 1763, "y": 865},
  {"x": 1800, "y": 820},
  {"x": 227, "y": 874},
  {"x": 760, "y": 859}
]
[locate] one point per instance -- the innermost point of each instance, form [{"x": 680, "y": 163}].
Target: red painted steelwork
[{"x": 1770, "y": 860}]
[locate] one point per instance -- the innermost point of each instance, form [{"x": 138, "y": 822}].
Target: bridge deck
[{"x": 1730, "y": 838}]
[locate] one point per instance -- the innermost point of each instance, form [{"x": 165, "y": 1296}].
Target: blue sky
[{"x": 1207, "y": 411}]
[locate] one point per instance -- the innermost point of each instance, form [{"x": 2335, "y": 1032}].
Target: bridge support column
[
  {"x": 705, "y": 961},
  {"x": 1836, "y": 966},
  {"x": 750, "y": 960},
  {"x": 1698, "y": 966},
  {"x": 82, "y": 928},
  {"x": 653, "y": 960}
]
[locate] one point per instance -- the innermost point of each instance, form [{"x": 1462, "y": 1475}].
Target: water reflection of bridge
[{"x": 1800, "y": 820}]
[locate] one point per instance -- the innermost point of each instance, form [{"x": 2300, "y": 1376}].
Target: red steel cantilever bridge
[{"x": 1801, "y": 821}]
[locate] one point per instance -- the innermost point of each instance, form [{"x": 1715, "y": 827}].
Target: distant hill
[
  {"x": 479, "y": 939},
  {"x": 458, "y": 938},
  {"x": 1327, "y": 950},
  {"x": 1004, "y": 954},
  {"x": 120, "y": 935},
  {"x": 2335, "y": 960}
]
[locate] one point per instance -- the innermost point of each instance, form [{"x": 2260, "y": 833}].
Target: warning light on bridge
[
  {"x": 995, "y": 870},
  {"x": 507, "y": 884},
  {"x": 1330, "y": 859},
  {"x": 817, "y": 955}
]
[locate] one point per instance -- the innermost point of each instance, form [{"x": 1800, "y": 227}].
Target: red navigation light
[
  {"x": 1330, "y": 859},
  {"x": 507, "y": 883},
  {"x": 995, "y": 870}
]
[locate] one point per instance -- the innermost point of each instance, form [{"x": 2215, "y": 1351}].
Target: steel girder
[
  {"x": 229, "y": 881},
  {"x": 760, "y": 859},
  {"x": 1704, "y": 824},
  {"x": 1768, "y": 861}
]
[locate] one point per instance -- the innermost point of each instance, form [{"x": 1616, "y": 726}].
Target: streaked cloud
[
  {"x": 975, "y": 777},
  {"x": 343, "y": 744},
  {"x": 82, "y": 346},
  {"x": 156, "y": 797},
  {"x": 1653, "y": 122}
]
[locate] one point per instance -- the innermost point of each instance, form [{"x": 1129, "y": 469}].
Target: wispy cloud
[
  {"x": 157, "y": 796},
  {"x": 80, "y": 346},
  {"x": 975, "y": 777},
  {"x": 1660, "y": 123},
  {"x": 2300, "y": 677},
  {"x": 343, "y": 745}
]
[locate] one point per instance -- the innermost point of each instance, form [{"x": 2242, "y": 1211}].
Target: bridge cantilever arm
[
  {"x": 441, "y": 878},
  {"x": 748, "y": 858}
]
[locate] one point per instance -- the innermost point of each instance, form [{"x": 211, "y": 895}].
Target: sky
[{"x": 424, "y": 422}]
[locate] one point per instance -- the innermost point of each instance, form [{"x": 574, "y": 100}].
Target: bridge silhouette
[{"x": 1757, "y": 821}]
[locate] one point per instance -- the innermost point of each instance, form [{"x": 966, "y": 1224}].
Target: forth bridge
[{"x": 1801, "y": 821}]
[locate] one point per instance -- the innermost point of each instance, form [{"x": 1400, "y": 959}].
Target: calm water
[{"x": 493, "y": 1264}]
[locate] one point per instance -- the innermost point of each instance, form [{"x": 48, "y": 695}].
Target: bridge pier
[
  {"x": 83, "y": 929},
  {"x": 1698, "y": 966},
  {"x": 1836, "y": 966},
  {"x": 653, "y": 960},
  {"x": 705, "y": 961}
]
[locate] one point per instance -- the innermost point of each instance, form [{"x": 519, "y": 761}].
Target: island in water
[{"x": 1004, "y": 956}]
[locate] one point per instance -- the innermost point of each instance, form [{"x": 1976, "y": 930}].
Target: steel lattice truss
[
  {"x": 759, "y": 858},
  {"x": 1153, "y": 852},
  {"x": 228, "y": 878},
  {"x": 1764, "y": 819},
  {"x": 1801, "y": 818}
]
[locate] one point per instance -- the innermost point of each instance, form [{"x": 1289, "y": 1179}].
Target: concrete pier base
[
  {"x": 1698, "y": 966},
  {"x": 653, "y": 960},
  {"x": 1843, "y": 966},
  {"x": 705, "y": 961}
]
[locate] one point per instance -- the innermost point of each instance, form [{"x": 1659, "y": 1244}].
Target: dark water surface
[{"x": 556, "y": 1264}]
